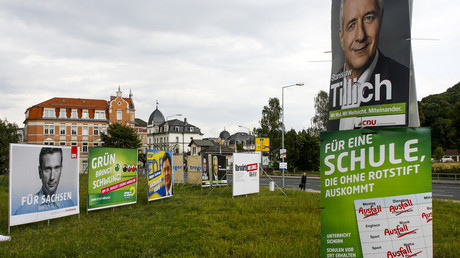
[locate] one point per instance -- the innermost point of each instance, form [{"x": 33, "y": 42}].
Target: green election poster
[
  {"x": 112, "y": 177},
  {"x": 376, "y": 193}
]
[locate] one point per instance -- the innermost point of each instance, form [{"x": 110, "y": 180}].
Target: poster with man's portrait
[
  {"x": 160, "y": 176},
  {"x": 44, "y": 182},
  {"x": 371, "y": 62},
  {"x": 218, "y": 171}
]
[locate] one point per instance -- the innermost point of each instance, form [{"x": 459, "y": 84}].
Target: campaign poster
[
  {"x": 160, "y": 177},
  {"x": 112, "y": 177},
  {"x": 178, "y": 169},
  {"x": 205, "y": 177},
  {"x": 218, "y": 171},
  {"x": 376, "y": 193},
  {"x": 371, "y": 62},
  {"x": 44, "y": 182},
  {"x": 194, "y": 170},
  {"x": 246, "y": 172}
]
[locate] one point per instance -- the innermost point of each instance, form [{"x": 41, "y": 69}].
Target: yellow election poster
[{"x": 262, "y": 144}]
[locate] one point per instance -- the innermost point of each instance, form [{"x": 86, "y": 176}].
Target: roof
[
  {"x": 140, "y": 122},
  {"x": 202, "y": 143},
  {"x": 224, "y": 135},
  {"x": 218, "y": 149},
  {"x": 451, "y": 152},
  {"x": 58, "y": 102},
  {"x": 130, "y": 103},
  {"x": 156, "y": 118}
]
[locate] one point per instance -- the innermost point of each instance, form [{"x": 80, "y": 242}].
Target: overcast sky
[{"x": 216, "y": 62}]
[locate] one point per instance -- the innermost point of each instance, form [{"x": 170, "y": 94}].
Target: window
[
  {"x": 85, "y": 130},
  {"x": 62, "y": 113},
  {"x": 96, "y": 144},
  {"x": 176, "y": 129},
  {"x": 194, "y": 150},
  {"x": 62, "y": 143},
  {"x": 177, "y": 138},
  {"x": 100, "y": 115},
  {"x": 85, "y": 114},
  {"x": 85, "y": 147},
  {"x": 49, "y": 112},
  {"x": 74, "y": 130},
  {"x": 49, "y": 129},
  {"x": 62, "y": 130},
  {"x": 74, "y": 113},
  {"x": 191, "y": 129},
  {"x": 96, "y": 130},
  {"x": 119, "y": 115},
  {"x": 74, "y": 144}
]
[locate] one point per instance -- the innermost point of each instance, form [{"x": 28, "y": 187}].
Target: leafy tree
[
  {"x": 270, "y": 127},
  {"x": 321, "y": 111},
  {"x": 121, "y": 136},
  {"x": 142, "y": 157},
  {"x": 440, "y": 112},
  {"x": 438, "y": 153},
  {"x": 8, "y": 134}
]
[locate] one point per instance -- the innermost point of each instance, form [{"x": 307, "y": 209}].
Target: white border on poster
[
  {"x": 24, "y": 181},
  {"x": 245, "y": 182}
]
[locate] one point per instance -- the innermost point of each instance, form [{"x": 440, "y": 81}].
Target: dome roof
[
  {"x": 156, "y": 118},
  {"x": 224, "y": 135}
]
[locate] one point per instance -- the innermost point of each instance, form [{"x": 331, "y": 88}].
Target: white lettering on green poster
[{"x": 366, "y": 173}]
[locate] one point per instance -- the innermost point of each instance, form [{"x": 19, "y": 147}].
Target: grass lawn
[{"x": 193, "y": 223}]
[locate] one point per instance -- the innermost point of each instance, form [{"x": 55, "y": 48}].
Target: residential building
[
  {"x": 76, "y": 122},
  {"x": 172, "y": 135},
  {"x": 245, "y": 140},
  {"x": 141, "y": 130}
]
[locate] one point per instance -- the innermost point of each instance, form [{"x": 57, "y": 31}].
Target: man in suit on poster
[{"x": 368, "y": 77}]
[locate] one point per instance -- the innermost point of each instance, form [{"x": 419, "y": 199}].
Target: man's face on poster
[
  {"x": 50, "y": 172},
  {"x": 205, "y": 165},
  {"x": 167, "y": 173},
  {"x": 215, "y": 166},
  {"x": 359, "y": 35}
]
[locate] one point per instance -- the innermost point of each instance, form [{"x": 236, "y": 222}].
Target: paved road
[{"x": 440, "y": 190}]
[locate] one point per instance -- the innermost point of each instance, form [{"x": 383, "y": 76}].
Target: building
[
  {"x": 451, "y": 156},
  {"x": 244, "y": 140},
  {"x": 170, "y": 135},
  {"x": 141, "y": 130},
  {"x": 76, "y": 122},
  {"x": 196, "y": 146}
]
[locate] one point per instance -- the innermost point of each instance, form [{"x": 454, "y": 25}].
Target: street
[{"x": 439, "y": 190}]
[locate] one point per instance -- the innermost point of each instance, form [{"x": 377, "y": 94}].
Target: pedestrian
[{"x": 303, "y": 181}]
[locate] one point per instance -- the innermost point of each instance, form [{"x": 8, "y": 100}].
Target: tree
[
  {"x": 270, "y": 126},
  {"x": 121, "y": 136},
  {"x": 321, "y": 111},
  {"x": 438, "y": 153},
  {"x": 8, "y": 134}
]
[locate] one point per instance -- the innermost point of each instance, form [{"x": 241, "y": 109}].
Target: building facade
[
  {"x": 170, "y": 135},
  {"x": 76, "y": 122}
]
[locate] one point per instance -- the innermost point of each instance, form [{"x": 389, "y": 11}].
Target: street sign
[
  {"x": 262, "y": 144},
  {"x": 282, "y": 153},
  {"x": 283, "y": 165}
]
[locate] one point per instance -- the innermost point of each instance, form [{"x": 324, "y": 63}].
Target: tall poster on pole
[
  {"x": 112, "y": 177},
  {"x": 376, "y": 193},
  {"x": 160, "y": 177},
  {"x": 43, "y": 183},
  {"x": 370, "y": 82}
]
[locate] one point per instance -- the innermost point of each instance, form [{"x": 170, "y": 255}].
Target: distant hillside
[
  {"x": 441, "y": 112},
  {"x": 452, "y": 95}
]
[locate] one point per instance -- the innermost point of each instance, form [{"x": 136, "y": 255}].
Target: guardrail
[{"x": 437, "y": 177}]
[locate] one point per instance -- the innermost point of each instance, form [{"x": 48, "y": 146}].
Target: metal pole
[{"x": 282, "y": 126}]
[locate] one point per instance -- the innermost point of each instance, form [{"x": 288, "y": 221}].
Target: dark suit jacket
[{"x": 388, "y": 69}]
